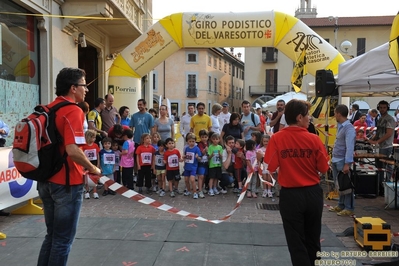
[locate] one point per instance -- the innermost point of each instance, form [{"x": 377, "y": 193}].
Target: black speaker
[
  {"x": 366, "y": 184},
  {"x": 325, "y": 83}
]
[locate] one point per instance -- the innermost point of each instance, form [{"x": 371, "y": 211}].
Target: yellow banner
[
  {"x": 299, "y": 71},
  {"x": 394, "y": 43}
]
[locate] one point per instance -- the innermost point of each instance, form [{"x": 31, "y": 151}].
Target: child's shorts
[
  {"x": 215, "y": 173},
  {"x": 173, "y": 175},
  {"x": 192, "y": 172},
  {"x": 160, "y": 172},
  {"x": 202, "y": 169}
]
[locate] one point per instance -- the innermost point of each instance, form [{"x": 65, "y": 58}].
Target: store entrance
[{"x": 87, "y": 60}]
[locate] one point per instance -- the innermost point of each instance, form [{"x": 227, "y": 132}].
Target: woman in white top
[
  {"x": 85, "y": 108},
  {"x": 216, "y": 109}
]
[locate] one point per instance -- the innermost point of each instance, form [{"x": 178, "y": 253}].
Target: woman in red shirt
[
  {"x": 361, "y": 122},
  {"x": 300, "y": 156}
]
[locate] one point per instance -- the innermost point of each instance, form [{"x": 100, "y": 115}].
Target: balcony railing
[{"x": 257, "y": 90}]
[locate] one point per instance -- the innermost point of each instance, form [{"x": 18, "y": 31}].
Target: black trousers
[
  {"x": 127, "y": 177},
  {"x": 301, "y": 210},
  {"x": 144, "y": 176}
]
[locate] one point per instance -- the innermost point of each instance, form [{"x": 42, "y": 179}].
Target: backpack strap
[
  {"x": 253, "y": 119},
  {"x": 54, "y": 109}
]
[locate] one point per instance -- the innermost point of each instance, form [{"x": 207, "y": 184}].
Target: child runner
[
  {"x": 191, "y": 156},
  {"x": 252, "y": 167},
  {"x": 215, "y": 152},
  {"x": 107, "y": 163},
  {"x": 127, "y": 159},
  {"x": 171, "y": 159},
  {"x": 160, "y": 167},
  {"x": 203, "y": 164},
  {"x": 145, "y": 156},
  {"x": 267, "y": 192},
  {"x": 155, "y": 137},
  {"x": 117, "y": 170},
  {"x": 91, "y": 151},
  {"x": 239, "y": 162}
]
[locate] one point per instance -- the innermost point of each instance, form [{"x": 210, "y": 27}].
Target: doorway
[{"x": 87, "y": 60}]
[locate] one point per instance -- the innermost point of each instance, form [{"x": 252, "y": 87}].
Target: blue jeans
[
  {"x": 345, "y": 202},
  {"x": 61, "y": 213}
]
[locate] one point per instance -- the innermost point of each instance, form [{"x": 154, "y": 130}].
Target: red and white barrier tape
[
  {"x": 131, "y": 194},
  {"x": 356, "y": 127}
]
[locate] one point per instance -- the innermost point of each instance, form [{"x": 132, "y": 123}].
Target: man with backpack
[
  {"x": 249, "y": 121},
  {"x": 62, "y": 202}
]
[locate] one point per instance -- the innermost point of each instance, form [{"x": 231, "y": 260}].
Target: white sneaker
[
  {"x": 95, "y": 195},
  {"x": 270, "y": 194},
  {"x": 223, "y": 191},
  {"x": 87, "y": 195},
  {"x": 264, "y": 194},
  {"x": 210, "y": 192},
  {"x": 216, "y": 191},
  {"x": 201, "y": 194},
  {"x": 187, "y": 193},
  {"x": 162, "y": 193},
  {"x": 195, "y": 196},
  {"x": 154, "y": 188}
]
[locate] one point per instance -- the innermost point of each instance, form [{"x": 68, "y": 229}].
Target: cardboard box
[{"x": 372, "y": 233}]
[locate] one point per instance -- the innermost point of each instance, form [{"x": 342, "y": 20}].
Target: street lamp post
[{"x": 331, "y": 19}]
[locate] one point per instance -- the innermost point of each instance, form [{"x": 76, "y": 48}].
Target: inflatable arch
[{"x": 187, "y": 30}]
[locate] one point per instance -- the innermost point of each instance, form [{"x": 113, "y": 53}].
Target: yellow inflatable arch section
[{"x": 189, "y": 30}]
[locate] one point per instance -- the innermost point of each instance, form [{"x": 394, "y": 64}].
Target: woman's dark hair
[
  {"x": 84, "y": 106},
  {"x": 67, "y": 77},
  {"x": 122, "y": 110},
  {"x": 128, "y": 133},
  {"x": 294, "y": 108},
  {"x": 257, "y": 135},
  {"x": 118, "y": 129},
  {"x": 233, "y": 117}
]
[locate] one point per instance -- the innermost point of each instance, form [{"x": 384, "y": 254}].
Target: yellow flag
[
  {"x": 394, "y": 43},
  {"x": 299, "y": 71}
]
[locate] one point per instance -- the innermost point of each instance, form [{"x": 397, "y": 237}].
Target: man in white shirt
[
  {"x": 224, "y": 116},
  {"x": 185, "y": 121}
]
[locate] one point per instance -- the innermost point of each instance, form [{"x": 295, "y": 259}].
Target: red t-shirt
[
  {"x": 145, "y": 154},
  {"x": 69, "y": 122},
  {"x": 172, "y": 158},
  {"x": 91, "y": 151},
  {"x": 262, "y": 122},
  {"x": 299, "y": 155},
  {"x": 358, "y": 125},
  {"x": 239, "y": 163}
]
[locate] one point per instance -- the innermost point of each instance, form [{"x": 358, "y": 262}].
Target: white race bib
[
  {"x": 189, "y": 157},
  {"x": 173, "y": 161},
  {"x": 91, "y": 154},
  {"x": 109, "y": 158},
  {"x": 146, "y": 157}
]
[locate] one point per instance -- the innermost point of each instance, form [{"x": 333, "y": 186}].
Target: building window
[
  {"x": 220, "y": 88},
  {"x": 192, "y": 85},
  {"x": 215, "y": 84},
  {"x": 215, "y": 62},
  {"x": 229, "y": 69},
  {"x": 269, "y": 54},
  {"x": 209, "y": 60},
  {"x": 220, "y": 64},
  {"x": 225, "y": 66},
  {"x": 209, "y": 83},
  {"x": 192, "y": 57},
  {"x": 271, "y": 80},
  {"x": 225, "y": 89},
  {"x": 361, "y": 46}
]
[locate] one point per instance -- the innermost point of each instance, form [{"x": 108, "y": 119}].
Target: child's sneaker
[
  {"x": 87, "y": 195},
  {"x": 216, "y": 191},
  {"x": 162, "y": 193},
  {"x": 210, "y": 192},
  {"x": 223, "y": 191},
  {"x": 195, "y": 196},
  {"x": 201, "y": 194},
  {"x": 264, "y": 194},
  {"x": 172, "y": 194},
  {"x": 187, "y": 193},
  {"x": 140, "y": 190},
  {"x": 270, "y": 194},
  {"x": 95, "y": 195},
  {"x": 154, "y": 188}
]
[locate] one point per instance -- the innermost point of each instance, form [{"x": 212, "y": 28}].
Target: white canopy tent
[
  {"x": 370, "y": 74},
  {"x": 286, "y": 97}
]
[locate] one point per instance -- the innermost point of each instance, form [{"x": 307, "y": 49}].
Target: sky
[{"x": 325, "y": 8}]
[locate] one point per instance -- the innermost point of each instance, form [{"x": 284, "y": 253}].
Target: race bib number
[
  {"x": 159, "y": 160},
  {"x": 189, "y": 157},
  {"x": 109, "y": 158},
  {"x": 146, "y": 157},
  {"x": 91, "y": 154},
  {"x": 204, "y": 158},
  {"x": 216, "y": 158},
  {"x": 173, "y": 161}
]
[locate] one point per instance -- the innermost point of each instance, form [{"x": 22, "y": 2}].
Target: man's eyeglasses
[{"x": 83, "y": 85}]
